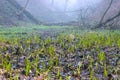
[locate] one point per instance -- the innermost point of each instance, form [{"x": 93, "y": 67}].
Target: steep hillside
[{"x": 8, "y": 16}]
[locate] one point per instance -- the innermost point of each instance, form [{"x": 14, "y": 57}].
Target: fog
[
  {"x": 58, "y": 9},
  {"x": 60, "y": 39},
  {"x": 62, "y": 4},
  {"x": 74, "y": 4}
]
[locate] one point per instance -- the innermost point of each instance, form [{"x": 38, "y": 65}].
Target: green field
[{"x": 59, "y": 53}]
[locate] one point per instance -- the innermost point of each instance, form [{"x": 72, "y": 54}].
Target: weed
[
  {"x": 102, "y": 57},
  {"x": 28, "y": 66},
  {"x": 105, "y": 71},
  {"x": 58, "y": 73},
  {"x": 68, "y": 78}
]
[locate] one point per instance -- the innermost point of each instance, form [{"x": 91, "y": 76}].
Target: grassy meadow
[{"x": 59, "y": 53}]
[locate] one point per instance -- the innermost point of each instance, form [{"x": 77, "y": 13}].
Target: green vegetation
[{"x": 62, "y": 55}]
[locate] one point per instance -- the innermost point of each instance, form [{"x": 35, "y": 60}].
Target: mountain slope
[{"x": 8, "y": 16}]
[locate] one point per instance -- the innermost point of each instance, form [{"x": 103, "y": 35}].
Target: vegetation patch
[{"x": 84, "y": 56}]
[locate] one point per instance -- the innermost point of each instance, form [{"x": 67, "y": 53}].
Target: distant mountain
[{"x": 9, "y": 17}]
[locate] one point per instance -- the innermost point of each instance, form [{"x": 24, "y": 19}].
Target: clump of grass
[
  {"x": 28, "y": 67},
  {"x": 68, "y": 78},
  {"x": 51, "y": 62},
  {"x": 58, "y": 73},
  {"x": 90, "y": 68},
  {"x": 118, "y": 43},
  {"x": 72, "y": 48},
  {"x": 6, "y": 63},
  {"x": 51, "y": 50},
  {"x": 36, "y": 65},
  {"x": 105, "y": 71},
  {"x": 16, "y": 77},
  {"x": 48, "y": 41},
  {"x": 102, "y": 57}
]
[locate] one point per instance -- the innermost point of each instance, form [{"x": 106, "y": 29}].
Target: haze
[
  {"x": 75, "y": 4},
  {"x": 61, "y": 4},
  {"x": 59, "y": 39},
  {"x": 57, "y": 9}
]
